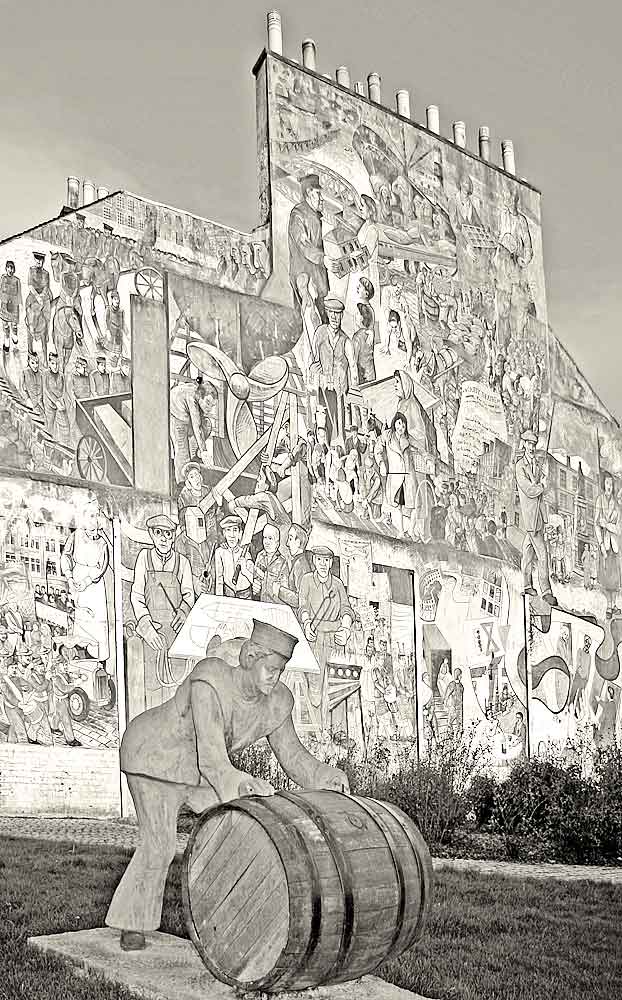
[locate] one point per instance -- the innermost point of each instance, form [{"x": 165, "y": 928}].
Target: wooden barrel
[{"x": 293, "y": 890}]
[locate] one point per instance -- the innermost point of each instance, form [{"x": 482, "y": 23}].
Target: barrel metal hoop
[
  {"x": 278, "y": 974},
  {"x": 399, "y": 870},
  {"x": 425, "y": 871},
  {"x": 345, "y": 877}
]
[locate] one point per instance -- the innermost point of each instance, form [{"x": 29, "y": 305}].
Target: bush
[
  {"x": 481, "y": 796},
  {"x": 547, "y": 803},
  {"x": 608, "y": 774}
]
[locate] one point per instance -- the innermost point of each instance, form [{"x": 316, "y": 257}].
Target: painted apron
[
  {"x": 163, "y": 598},
  {"x": 91, "y": 614}
]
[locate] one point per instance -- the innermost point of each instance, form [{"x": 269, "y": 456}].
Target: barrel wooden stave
[{"x": 324, "y": 847}]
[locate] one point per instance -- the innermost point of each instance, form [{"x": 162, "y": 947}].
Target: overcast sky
[{"x": 158, "y": 98}]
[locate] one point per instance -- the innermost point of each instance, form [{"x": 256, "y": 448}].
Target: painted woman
[
  {"x": 84, "y": 561},
  {"x": 607, "y": 531}
]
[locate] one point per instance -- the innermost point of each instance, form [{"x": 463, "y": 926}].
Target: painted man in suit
[
  {"x": 178, "y": 753},
  {"x": 306, "y": 242},
  {"x": 531, "y": 482}
]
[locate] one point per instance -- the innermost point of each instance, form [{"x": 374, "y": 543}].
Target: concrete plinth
[{"x": 170, "y": 969}]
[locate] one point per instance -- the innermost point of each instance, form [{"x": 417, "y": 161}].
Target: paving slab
[{"x": 169, "y": 968}]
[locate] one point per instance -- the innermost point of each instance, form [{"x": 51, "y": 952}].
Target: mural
[
  {"x": 418, "y": 279},
  {"x": 354, "y": 424},
  {"x": 57, "y": 651},
  {"x": 471, "y": 630},
  {"x": 165, "y": 237},
  {"x": 66, "y": 370},
  {"x": 575, "y": 683}
]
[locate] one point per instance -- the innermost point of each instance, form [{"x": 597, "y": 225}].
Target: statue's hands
[
  {"x": 249, "y": 785},
  {"x": 331, "y": 778}
]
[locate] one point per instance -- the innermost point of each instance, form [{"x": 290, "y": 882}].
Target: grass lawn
[{"x": 488, "y": 937}]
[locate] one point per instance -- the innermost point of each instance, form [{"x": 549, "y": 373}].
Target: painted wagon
[{"x": 104, "y": 449}]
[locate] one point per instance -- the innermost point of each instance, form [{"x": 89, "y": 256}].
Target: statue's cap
[{"x": 273, "y": 639}]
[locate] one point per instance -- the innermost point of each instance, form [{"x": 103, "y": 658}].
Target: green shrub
[
  {"x": 548, "y": 803},
  {"x": 608, "y": 774},
  {"x": 481, "y": 795}
]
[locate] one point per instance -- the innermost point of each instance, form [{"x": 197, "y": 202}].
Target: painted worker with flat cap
[
  {"x": 162, "y": 595},
  {"x": 531, "y": 483},
  {"x": 179, "y": 754},
  {"x": 334, "y": 362},
  {"x": 306, "y": 242}
]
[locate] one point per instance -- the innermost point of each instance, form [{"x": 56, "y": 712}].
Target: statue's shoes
[{"x": 132, "y": 941}]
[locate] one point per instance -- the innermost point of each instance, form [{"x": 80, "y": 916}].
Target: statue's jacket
[{"x": 208, "y": 717}]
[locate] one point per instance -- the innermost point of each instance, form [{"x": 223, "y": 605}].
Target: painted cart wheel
[
  {"x": 149, "y": 284},
  {"x": 79, "y": 704},
  {"x": 91, "y": 458}
]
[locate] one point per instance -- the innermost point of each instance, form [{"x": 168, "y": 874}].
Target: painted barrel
[{"x": 294, "y": 890}]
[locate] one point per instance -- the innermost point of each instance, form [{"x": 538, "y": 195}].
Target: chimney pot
[
  {"x": 326, "y": 76},
  {"x": 309, "y": 52},
  {"x": 374, "y": 88},
  {"x": 507, "y": 153},
  {"x": 73, "y": 192},
  {"x": 402, "y": 99},
  {"x": 433, "y": 118},
  {"x": 275, "y": 32},
  {"x": 484, "y": 142},
  {"x": 343, "y": 76},
  {"x": 89, "y": 192},
  {"x": 460, "y": 134},
  {"x": 359, "y": 88}
]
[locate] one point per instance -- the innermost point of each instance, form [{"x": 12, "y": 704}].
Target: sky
[{"x": 158, "y": 98}]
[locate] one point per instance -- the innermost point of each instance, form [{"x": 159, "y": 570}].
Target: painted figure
[
  {"x": 270, "y": 566},
  {"x": 38, "y": 305},
  {"x": 363, "y": 344},
  {"x": 327, "y": 619},
  {"x": 395, "y": 452},
  {"x": 605, "y": 719},
  {"x": 306, "y": 243},
  {"x": 454, "y": 704},
  {"x": 607, "y": 531},
  {"x": 234, "y": 569},
  {"x": 115, "y": 321},
  {"x": 179, "y": 754},
  {"x": 191, "y": 412},
  {"x": 31, "y": 385},
  {"x": 55, "y": 402},
  {"x": 10, "y": 304},
  {"x": 531, "y": 482},
  {"x": 161, "y": 596},
  {"x": 80, "y": 381},
  {"x": 519, "y": 733},
  {"x": 100, "y": 377},
  {"x": 288, "y": 590},
  {"x": 335, "y": 363},
  {"x": 84, "y": 561}
]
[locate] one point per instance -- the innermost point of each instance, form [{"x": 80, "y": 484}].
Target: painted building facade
[{"x": 354, "y": 422}]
